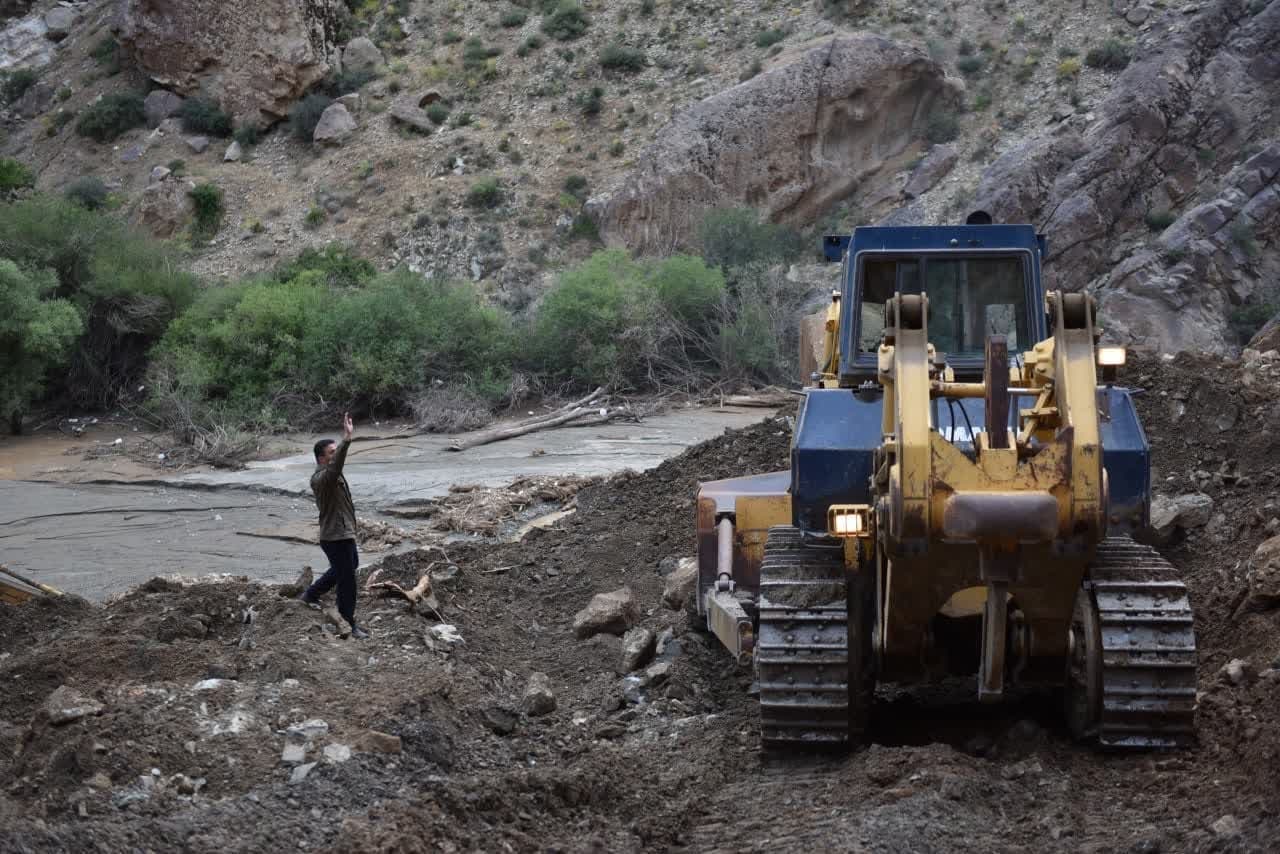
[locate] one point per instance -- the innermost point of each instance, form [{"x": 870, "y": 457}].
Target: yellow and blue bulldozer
[{"x": 966, "y": 483}]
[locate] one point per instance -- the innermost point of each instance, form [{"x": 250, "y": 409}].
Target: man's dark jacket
[{"x": 337, "y": 513}]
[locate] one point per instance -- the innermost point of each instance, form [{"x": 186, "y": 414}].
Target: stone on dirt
[
  {"x": 407, "y": 112},
  {"x": 294, "y": 754},
  {"x": 940, "y": 160},
  {"x": 174, "y": 626},
  {"x": 335, "y": 125},
  {"x": 1226, "y": 827},
  {"x": 1237, "y": 670},
  {"x": 309, "y": 729},
  {"x": 300, "y": 773},
  {"x": 336, "y": 753},
  {"x": 538, "y": 697},
  {"x": 637, "y": 648},
  {"x": 198, "y": 144},
  {"x": 58, "y": 22},
  {"x": 160, "y": 105},
  {"x": 361, "y": 54},
  {"x": 233, "y": 153},
  {"x": 67, "y": 705},
  {"x": 680, "y": 583},
  {"x": 501, "y": 720},
  {"x": 1263, "y": 575},
  {"x": 612, "y": 612},
  {"x": 656, "y": 674},
  {"x": 1168, "y": 514},
  {"x": 374, "y": 741}
]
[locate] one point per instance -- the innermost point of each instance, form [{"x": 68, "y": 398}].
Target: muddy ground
[{"x": 200, "y": 685}]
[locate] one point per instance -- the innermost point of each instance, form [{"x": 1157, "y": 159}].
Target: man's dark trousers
[{"x": 343, "y": 560}]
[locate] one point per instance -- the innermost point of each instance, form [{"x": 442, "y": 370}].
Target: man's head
[{"x": 325, "y": 449}]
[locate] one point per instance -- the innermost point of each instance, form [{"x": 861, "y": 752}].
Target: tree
[{"x": 36, "y": 337}]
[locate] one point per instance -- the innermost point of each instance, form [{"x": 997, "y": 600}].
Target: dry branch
[{"x": 565, "y": 414}]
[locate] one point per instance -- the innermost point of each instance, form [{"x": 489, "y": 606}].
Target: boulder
[
  {"x": 940, "y": 160},
  {"x": 790, "y": 142},
  {"x": 23, "y": 43},
  {"x": 538, "y": 697},
  {"x": 335, "y": 125},
  {"x": 408, "y": 113},
  {"x": 501, "y": 720},
  {"x": 160, "y": 104},
  {"x": 680, "y": 584},
  {"x": 374, "y": 741},
  {"x": 58, "y": 22},
  {"x": 198, "y": 144},
  {"x": 165, "y": 207},
  {"x": 361, "y": 54},
  {"x": 612, "y": 612},
  {"x": 351, "y": 101},
  {"x": 1263, "y": 575},
  {"x": 1268, "y": 337},
  {"x": 336, "y": 754},
  {"x": 34, "y": 101},
  {"x": 1169, "y": 515},
  {"x": 233, "y": 153},
  {"x": 255, "y": 57},
  {"x": 67, "y": 705},
  {"x": 637, "y": 648}
]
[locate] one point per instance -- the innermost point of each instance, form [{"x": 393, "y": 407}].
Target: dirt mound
[{"x": 214, "y": 697}]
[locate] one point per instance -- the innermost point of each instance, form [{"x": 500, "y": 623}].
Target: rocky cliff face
[
  {"x": 1201, "y": 98},
  {"x": 790, "y": 142},
  {"x": 255, "y": 57}
]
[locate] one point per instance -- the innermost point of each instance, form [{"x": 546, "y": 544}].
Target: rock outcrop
[
  {"x": 789, "y": 142},
  {"x": 1202, "y": 92},
  {"x": 255, "y": 57}
]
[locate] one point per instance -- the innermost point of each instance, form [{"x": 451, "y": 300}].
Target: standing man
[{"x": 337, "y": 527}]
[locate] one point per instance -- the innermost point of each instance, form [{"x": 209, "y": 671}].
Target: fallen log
[
  {"x": 772, "y": 396},
  {"x": 43, "y": 588},
  {"x": 573, "y": 411}
]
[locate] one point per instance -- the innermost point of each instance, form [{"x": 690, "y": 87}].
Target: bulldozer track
[
  {"x": 1148, "y": 648},
  {"x": 802, "y": 651}
]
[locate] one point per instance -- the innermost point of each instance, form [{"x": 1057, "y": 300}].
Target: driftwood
[
  {"x": 771, "y": 396},
  {"x": 31, "y": 582},
  {"x": 563, "y": 415}
]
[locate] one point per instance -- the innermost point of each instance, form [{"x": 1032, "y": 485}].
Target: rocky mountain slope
[{"x": 498, "y": 139}]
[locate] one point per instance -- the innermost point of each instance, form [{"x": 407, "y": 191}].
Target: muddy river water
[{"x": 95, "y": 524}]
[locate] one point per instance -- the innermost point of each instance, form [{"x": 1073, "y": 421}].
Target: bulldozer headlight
[
  {"x": 1111, "y": 357},
  {"x": 849, "y": 520}
]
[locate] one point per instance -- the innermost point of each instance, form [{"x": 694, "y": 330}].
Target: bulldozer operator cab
[{"x": 980, "y": 281}]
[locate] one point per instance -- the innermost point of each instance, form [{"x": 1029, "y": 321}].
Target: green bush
[
  {"x": 591, "y": 101},
  {"x": 89, "y": 192},
  {"x": 1242, "y": 235},
  {"x": 106, "y": 52},
  {"x": 942, "y": 125},
  {"x": 248, "y": 135},
  {"x": 336, "y": 265},
  {"x": 315, "y": 218},
  {"x": 110, "y": 116},
  {"x": 768, "y": 38},
  {"x": 1160, "y": 220},
  {"x": 484, "y": 193},
  {"x": 438, "y": 113},
  {"x": 532, "y": 43},
  {"x": 451, "y": 37},
  {"x": 576, "y": 186},
  {"x": 204, "y": 116},
  {"x": 969, "y": 64},
  {"x": 567, "y": 22},
  {"x": 126, "y": 285},
  {"x": 618, "y": 57},
  {"x": 14, "y": 84},
  {"x": 345, "y": 82},
  {"x": 37, "y": 334},
  {"x": 513, "y": 17},
  {"x": 265, "y": 351},
  {"x": 735, "y": 237},
  {"x": 1113, "y": 55},
  {"x": 207, "y": 200},
  {"x": 475, "y": 54},
  {"x": 305, "y": 115},
  {"x": 15, "y": 175}
]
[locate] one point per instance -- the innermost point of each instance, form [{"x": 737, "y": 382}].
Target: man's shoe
[
  {"x": 306, "y": 598},
  {"x": 359, "y": 633}
]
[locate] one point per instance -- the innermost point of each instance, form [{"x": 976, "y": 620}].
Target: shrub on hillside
[
  {"x": 305, "y": 115},
  {"x": 513, "y": 17},
  {"x": 567, "y": 22},
  {"x": 735, "y": 237},
  {"x": 618, "y": 57},
  {"x": 204, "y": 116},
  {"x": 90, "y": 192},
  {"x": 335, "y": 265},
  {"x": 15, "y": 175},
  {"x": 768, "y": 38},
  {"x": 110, "y": 116},
  {"x": 484, "y": 193},
  {"x": 206, "y": 198},
  {"x": 14, "y": 84},
  {"x": 942, "y": 125},
  {"x": 342, "y": 83},
  {"x": 1113, "y": 55},
  {"x": 127, "y": 287},
  {"x": 37, "y": 333}
]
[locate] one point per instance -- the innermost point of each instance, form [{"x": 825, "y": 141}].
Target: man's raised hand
[{"x": 347, "y": 426}]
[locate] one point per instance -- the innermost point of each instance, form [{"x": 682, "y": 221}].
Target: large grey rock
[
  {"x": 23, "y": 43},
  {"x": 790, "y": 141},
  {"x": 1263, "y": 575},
  {"x": 34, "y": 101},
  {"x": 1268, "y": 337},
  {"x": 160, "y": 104},
  {"x": 538, "y": 697},
  {"x": 198, "y": 144},
  {"x": 58, "y": 22},
  {"x": 680, "y": 584},
  {"x": 940, "y": 160},
  {"x": 361, "y": 54},
  {"x": 1169, "y": 514},
  {"x": 637, "y": 648},
  {"x": 165, "y": 207},
  {"x": 255, "y": 57},
  {"x": 407, "y": 112},
  {"x": 67, "y": 705},
  {"x": 335, "y": 125},
  {"x": 612, "y": 612},
  {"x": 233, "y": 153}
]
